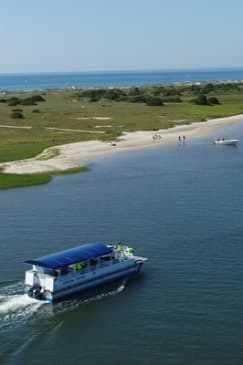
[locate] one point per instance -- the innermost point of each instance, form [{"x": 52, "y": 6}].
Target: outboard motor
[{"x": 36, "y": 293}]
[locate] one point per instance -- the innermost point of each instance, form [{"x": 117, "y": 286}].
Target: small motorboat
[{"x": 226, "y": 141}]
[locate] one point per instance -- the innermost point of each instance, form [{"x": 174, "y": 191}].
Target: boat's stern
[{"x": 39, "y": 285}]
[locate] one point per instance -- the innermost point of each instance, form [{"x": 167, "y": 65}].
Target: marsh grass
[{"x": 9, "y": 181}]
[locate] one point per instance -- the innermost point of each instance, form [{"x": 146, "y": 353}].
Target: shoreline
[{"x": 74, "y": 155}]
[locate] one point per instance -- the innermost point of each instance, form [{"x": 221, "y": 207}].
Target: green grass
[
  {"x": 63, "y": 109},
  {"x": 9, "y": 181}
]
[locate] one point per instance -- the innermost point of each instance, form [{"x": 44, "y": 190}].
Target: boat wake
[
  {"x": 15, "y": 307},
  {"x": 26, "y": 322},
  {"x": 18, "y": 308},
  {"x": 107, "y": 293},
  {"x": 15, "y": 303}
]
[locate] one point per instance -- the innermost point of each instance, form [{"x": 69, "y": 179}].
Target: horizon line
[{"x": 194, "y": 69}]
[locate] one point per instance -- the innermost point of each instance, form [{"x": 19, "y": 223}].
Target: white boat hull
[{"x": 227, "y": 142}]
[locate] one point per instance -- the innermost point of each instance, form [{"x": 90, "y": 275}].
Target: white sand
[
  {"x": 82, "y": 153},
  {"x": 101, "y": 118}
]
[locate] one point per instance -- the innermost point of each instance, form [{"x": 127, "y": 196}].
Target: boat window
[
  {"x": 93, "y": 262},
  {"x": 105, "y": 258},
  {"x": 64, "y": 270}
]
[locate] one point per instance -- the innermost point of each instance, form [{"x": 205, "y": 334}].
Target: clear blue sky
[{"x": 82, "y": 35}]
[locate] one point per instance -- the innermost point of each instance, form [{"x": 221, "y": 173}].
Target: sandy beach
[{"x": 83, "y": 153}]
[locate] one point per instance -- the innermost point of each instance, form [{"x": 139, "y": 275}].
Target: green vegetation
[
  {"x": 202, "y": 99},
  {"x": 67, "y": 115},
  {"x": 31, "y": 100},
  {"x": 17, "y": 115},
  {"x": 10, "y": 181}
]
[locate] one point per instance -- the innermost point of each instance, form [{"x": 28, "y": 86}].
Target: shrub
[
  {"x": 138, "y": 99},
  {"x": 207, "y": 88},
  {"x": 172, "y": 99},
  {"x": 201, "y": 100},
  {"x": 32, "y": 100},
  {"x": 13, "y": 101},
  {"x": 154, "y": 101},
  {"x": 114, "y": 94},
  {"x": 37, "y": 98},
  {"x": 27, "y": 101},
  {"x": 213, "y": 100},
  {"x": 135, "y": 91},
  {"x": 17, "y": 115}
]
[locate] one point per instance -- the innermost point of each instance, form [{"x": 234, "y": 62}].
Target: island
[{"x": 48, "y": 132}]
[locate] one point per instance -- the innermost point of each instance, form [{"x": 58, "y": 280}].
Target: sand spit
[{"x": 82, "y": 153}]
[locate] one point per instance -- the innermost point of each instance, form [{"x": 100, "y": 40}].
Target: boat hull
[
  {"x": 228, "y": 142},
  {"x": 82, "y": 286}
]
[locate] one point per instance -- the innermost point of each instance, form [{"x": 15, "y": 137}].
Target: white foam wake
[
  {"x": 16, "y": 309},
  {"x": 14, "y": 303}
]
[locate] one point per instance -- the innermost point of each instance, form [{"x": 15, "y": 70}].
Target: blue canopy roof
[{"x": 68, "y": 257}]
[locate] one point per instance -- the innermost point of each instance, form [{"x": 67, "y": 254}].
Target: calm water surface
[
  {"x": 180, "y": 206},
  {"x": 112, "y": 78}
]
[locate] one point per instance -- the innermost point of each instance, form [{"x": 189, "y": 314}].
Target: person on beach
[
  {"x": 184, "y": 139},
  {"x": 179, "y": 138}
]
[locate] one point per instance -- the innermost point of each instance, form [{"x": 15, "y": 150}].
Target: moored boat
[
  {"x": 226, "y": 141},
  {"x": 65, "y": 273}
]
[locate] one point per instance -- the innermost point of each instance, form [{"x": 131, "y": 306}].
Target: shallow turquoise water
[{"x": 180, "y": 206}]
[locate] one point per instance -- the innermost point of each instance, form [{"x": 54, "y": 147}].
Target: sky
[{"x": 93, "y": 35}]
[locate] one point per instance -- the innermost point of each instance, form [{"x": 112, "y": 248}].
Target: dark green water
[{"x": 182, "y": 208}]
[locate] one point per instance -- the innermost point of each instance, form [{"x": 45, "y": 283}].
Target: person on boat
[
  {"x": 119, "y": 246},
  {"x": 79, "y": 265},
  {"x": 130, "y": 250}
]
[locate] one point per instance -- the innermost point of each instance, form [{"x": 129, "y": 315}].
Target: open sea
[
  {"x": 179, "y": 205},
  {"x": 35, "y": 81}
]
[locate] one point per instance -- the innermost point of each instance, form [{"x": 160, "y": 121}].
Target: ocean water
[
  {"x": 99, "y": 79},
  {"x": 179, "y": 205}
]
